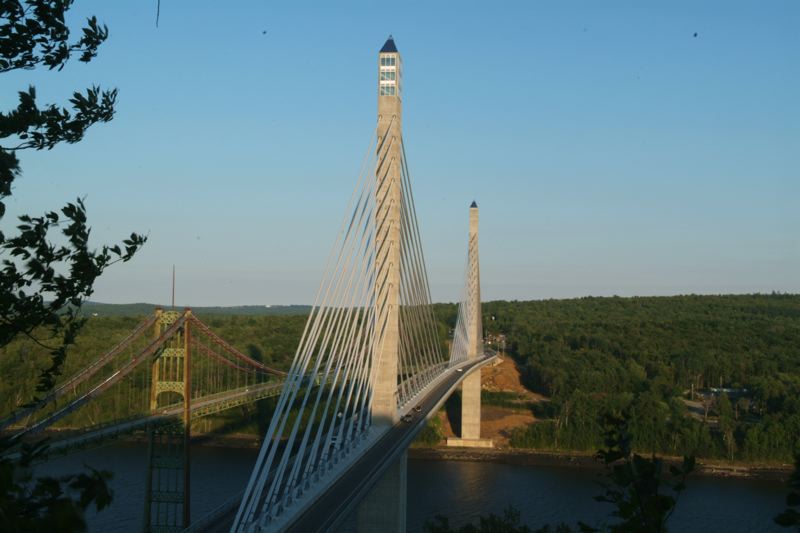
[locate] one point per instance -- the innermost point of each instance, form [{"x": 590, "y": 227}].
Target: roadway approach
[{"x": 340, "y": 498}]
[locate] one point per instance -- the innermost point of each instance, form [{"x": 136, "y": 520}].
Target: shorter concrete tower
[{"x": 471, "y": 386}]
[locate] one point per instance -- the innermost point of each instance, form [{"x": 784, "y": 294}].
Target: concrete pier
[{"x": 384, "y": 508}]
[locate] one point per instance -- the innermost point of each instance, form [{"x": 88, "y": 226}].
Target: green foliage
[
  {"x": 48, "y": 268},
  {"x": 38, "y": 279},
  {"x": 271, "y": 340},
  {"x": 431, "y": 435},
  {"x": 726, "y": 423},
  {"x": 576, "y": 423},
  {"x": 48, "y": 503},
  {"x": 42, "y": 284},
  {"x": 634, "y": 483},
  {"x": 34, "y": 33},
  {"x": 596, "y": 356},
  {"x": 592, "y": 343}
]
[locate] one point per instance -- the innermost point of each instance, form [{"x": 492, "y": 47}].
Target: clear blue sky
[{"x": 610, "y": 150}]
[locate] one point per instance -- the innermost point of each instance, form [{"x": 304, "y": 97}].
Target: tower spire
[{"x": 389, "y": 46}]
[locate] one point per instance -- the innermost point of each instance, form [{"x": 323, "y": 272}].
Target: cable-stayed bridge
[{"x": 370, "y": 367}]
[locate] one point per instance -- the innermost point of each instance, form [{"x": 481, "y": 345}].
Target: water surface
[{"x": 460, "y": 490}]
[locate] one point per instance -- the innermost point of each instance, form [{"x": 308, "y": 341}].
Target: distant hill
[{"x": 101, "y": 309}]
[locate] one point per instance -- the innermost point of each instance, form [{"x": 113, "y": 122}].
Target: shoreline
[
  {"x": 550, "y": 458},
  {"x": 516, "y": 456},
  {"x": 586, "y": 460}
]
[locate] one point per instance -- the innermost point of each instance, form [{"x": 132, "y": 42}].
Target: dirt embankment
[{"x": 498, "y": 422}]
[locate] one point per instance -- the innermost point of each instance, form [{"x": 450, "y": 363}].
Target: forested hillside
[{"x": 641, "y": 357}]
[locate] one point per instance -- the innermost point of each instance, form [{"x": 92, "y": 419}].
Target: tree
[
  {"x": 634, "y": 483},
  {"x": 48, "y": 503},
  {"x": 742, "y": 408},
  {"x": 48, "y": 267},
  {"x": 43, "y": 283},
  {"x": 727, "y": 423},
  {"x": 706, "y": 401}
]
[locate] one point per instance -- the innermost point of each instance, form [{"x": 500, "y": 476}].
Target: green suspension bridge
[{"x": 170, "y": 370}]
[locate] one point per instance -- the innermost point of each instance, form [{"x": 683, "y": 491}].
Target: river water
[{"x": 461, "y": 490}]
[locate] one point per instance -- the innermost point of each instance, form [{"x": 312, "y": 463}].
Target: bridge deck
[{"x": 200, "y": 407}]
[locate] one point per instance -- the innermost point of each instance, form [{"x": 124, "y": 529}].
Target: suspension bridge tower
[
  {"x": 167, "y": 485},
  {"x": 384, "y": 509}
]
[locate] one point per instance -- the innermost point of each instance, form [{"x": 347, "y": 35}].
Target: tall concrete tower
[
  {"x": 387, "y": 221},
  {"x": 384, "y": 508}
]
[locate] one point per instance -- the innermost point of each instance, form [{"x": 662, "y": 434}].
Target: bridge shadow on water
[{"x": 237, "y": 422}]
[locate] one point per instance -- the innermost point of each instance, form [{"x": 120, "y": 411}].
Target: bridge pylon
[
  {"x": 167, "y": 487},
  {"x": 384, "y": 508},
  {"x": 169, "y": 367},
  {"x": 471, "y": 386},
  {"x": 387, "y": 228}
]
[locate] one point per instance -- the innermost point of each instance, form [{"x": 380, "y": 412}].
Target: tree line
[{"x": 737, "y": 357}]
